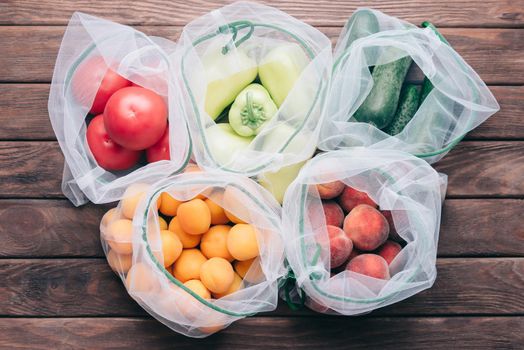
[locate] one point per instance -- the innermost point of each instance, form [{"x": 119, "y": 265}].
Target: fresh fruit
[
  {"x": 389, "y": 251},
  {"x": 194, "y": 216},
  {"x": 119, "y": 263},
  {"x": 214, "y": 242},
  {"x": 187, "y": 266},
  {"x": 198, "y": 288},
  {"x": 236, "y": 285},
  {"x": 393, "y": 234},
  {"x": 133, "y": 194},
  {"x": 160, "y": 150},
  {"x": 407, "y": 108},
  {"x": 233, "y": 218},
  {"x": 371, "y": 265},
  {"x": 218, "y": 216},
  {"x": 94, "y": 75},
  {"x": 250, "y": 270},
  {"x": 188, "y": 241},
  {"x": 140, "y": 279},
  {"x": 168, "y": 204},
  {"x": 330, "y": 190},
  {"x": 366, "y": 227},
  {"x": 340, "y": 246},
  {"x": 135, "y": 118},
  {"x": 108, "y": 154},
  {"x": 118, "y": 236},
  {"x": 242, "y": 242},
  {"x": 351, "y": 197},
  {"x": 109, "y": 216},
  {"x": 171, "y": 247},
  {"x": 333, "y": 213},
  {"x": 217, "y": 275}
]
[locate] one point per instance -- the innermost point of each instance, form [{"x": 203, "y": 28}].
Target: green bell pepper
[
  {"x": 280, "y": 69},
  {"x": 227, "y": 74},
  {"x": 252, "y": 108},
  {"x": 224, "y": 142}
]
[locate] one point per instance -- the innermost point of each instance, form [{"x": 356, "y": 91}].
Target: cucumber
[
  {"x": 407, "y": 107},
  {"x": 380, "y": 105},
  {"x": 361, "y": 24}
]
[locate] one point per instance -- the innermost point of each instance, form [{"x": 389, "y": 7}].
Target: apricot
[
  {"x": 119, "y": 263},
  {"x": 350, "y": 198},
  {"x": 188, "y": 241},
  {"x": 242, "y": 242},
  {"x": 250, "y": 270},
  {"x": 217, "y": 275},
  {"x": 236, "y": 285},
  {"x": 171, "y": 247},
  {"x": 389, "y": 251},
  {"x": 233, "y": 218},
  {"x": 198, "y": 288},
  {"x": 109, "y": 216},
  {"x": 366, "y": 227},
  {"x": 118, "y": 236},
  {"x": 168, "y": 204},
  {"x": 132, "y": 196},
  {"x": 141, "y": 279},
  {"x": 371, "y": 265},
  {"x": 162, "y": 224},
  {"x": 340, "y": 246},
  {"x": 235, "y": 200},
  {"x": 214, "y": 242},
  {"x": 188, "y": 264},
  {"x": 218, "y": 216},
  {"x": 330, "y": 190},
  {"x": 333, "y": 213},
  {"x": 194, "y": 216}
]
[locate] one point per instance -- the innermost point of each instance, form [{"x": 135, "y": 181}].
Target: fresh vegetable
[
  {"x": 278, "y": 182},
  {"x": 280, "y": 69},
  {"x": 407, "y": 107},
  {"x": 380, "y": 105},
  {"x": 95, "y": 75},
  {"x": 160, "y": 150},
  {"x": 224, "y": 143},
  {"x": 361, "y": 24},
  {"x": 286, "y": 138},
  {"x": 227, "y": 74},
  {"x": 252, "y": 108},
  {"x": 108, "y": 154},
  {"x": 135, "y": 118},
  {"x": 427, "y": 86}
]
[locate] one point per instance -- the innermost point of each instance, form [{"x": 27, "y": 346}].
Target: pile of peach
[
  {"x": 204, "y": 246},
  {"x": 358, "y": 231}
]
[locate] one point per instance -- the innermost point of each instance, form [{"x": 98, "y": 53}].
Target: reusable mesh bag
[
  {"x": 458, "y": 102},
  {"x": 138, "y": 58},
  {"x": 396, "y": 181},
  {"x": 165, "y": 297},
  {"x": 230, "y": 34}
]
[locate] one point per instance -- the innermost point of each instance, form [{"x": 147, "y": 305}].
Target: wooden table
[{"x": 56, "y": 290}]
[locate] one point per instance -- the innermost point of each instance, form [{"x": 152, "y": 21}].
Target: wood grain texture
[
  {"x": 475, "y": 168},
  {"x": 264, "y": 333},
  {"x": 81, "y": 287},
  {"x": 481, "y": 48},
  {"x": 450, "y": 13},
  {"x": 24, "y": 114},
  {"x": 54, "y": 228}
]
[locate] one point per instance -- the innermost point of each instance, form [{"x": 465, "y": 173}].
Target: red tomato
[
  {"x": 160, "y": 150},
  {"x": 107, "y": 153},
  {"x": 92, "y": 72},
  {"x": 135, "y": 118}
]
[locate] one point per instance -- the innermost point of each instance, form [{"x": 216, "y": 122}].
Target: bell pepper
[
  {"x": 224, "y": 142},
  {"x": 280, "y": 69},
  {"x": 227, "y": 74},
  {"x": 278, "y": 182},
  {"x": 252, "y": 108}
]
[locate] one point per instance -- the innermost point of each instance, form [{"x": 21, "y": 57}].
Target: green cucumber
[
  {"x": 361, "y": 24},
  {"x": 380, "y": 105},
  {"x": 407, "y": 107}
]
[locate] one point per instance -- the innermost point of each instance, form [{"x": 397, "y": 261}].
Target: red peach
[
  {"x": 333, "y": 213},
  {"x": 340, "y": 246},
  {"x": 330, "y": 190},
  {"x": 371, "y": 265},
  {"x": 350, "y": 198},
  {"x": 355, "y": 252},
  {"x": 392, "y": 230},
  {"x": 366, "y": 227},
  {"x": 389, "y": 251}
]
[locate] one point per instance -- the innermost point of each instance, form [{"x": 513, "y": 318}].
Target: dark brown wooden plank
[
  {"x": 269, "y": 333},
  {"x": 54, "y": 228},
  {"x": 79, "y": 287},
  {"x": 450, "y": 13},
  {"x": 24, "y": 114},
  {"x": 496, "y": 54},
  {"x": 475, "y": 168}
]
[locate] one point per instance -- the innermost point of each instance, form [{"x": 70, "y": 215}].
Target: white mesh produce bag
[
  {"x": 164, "y": 296},
  {"x": 396, "y": 181},
  {"x": 458, "y": 103},
  {"x": 242, "y": 37},
  {"x": 138, "y": 58}
]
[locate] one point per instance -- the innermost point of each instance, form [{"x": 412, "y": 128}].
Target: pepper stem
[{"x": 252, "y": 114}]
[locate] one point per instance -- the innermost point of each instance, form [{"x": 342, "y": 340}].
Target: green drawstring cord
[
  {"x": 234, "y": 27},
  {"x": 289, "y": 284}
]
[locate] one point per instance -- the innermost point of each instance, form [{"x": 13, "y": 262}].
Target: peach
[
  {"x": 340, "y": 245},
  {"x": 217, "y": 275},
  {"x": 371, "y": 265},
  {"x": 333, "y": 213},
  {"x": 389, "y": 251},
  {"x": 330, "y": 190},
  {"x": 350, "y": 198},
  {"x": 355, "y": 252},
  {"x": 393, "y": 234},
  {"x": 194, "y": 216},
  {"x": 366, "y": 227}
]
